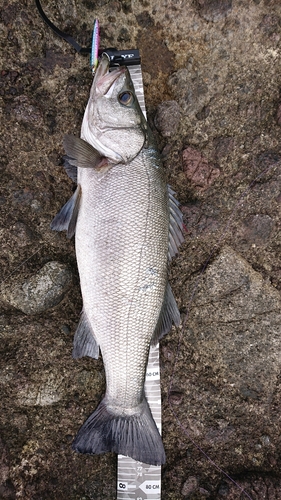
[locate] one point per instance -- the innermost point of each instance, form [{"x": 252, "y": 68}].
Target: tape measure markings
[
  {"x": 136, "y": 75},
  {"x": 136, "y": 480}
]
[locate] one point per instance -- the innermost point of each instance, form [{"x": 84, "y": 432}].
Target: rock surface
[
  {"x": 167, "y": 118},
  {"x": 218, "y": 63},
  {"x": 198, "y": 171},
  {"x": 40, "y": 292},
  {"x": 230, "y": 316}
]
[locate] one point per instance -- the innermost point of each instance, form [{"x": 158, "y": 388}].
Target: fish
[{"x": 127, "y": 225}]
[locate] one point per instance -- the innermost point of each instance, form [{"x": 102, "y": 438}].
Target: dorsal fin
[{"x": 176, "y": 237}]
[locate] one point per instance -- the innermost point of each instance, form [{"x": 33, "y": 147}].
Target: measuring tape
[{"x": 137, "y": 480}]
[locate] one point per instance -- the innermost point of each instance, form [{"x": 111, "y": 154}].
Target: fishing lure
[{"x": 95, "y": 47}]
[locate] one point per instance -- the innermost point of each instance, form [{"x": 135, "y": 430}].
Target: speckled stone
[{"x": 40, "y": 292}]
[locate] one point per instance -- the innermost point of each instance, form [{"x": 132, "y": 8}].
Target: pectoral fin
[
  {"x": 81, "y": 154},
  {"x": 67, "y": 217}
]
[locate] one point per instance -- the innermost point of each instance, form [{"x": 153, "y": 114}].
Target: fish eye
[{"x": 126, "y": 98}]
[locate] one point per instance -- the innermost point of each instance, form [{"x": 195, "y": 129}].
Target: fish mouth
[{"x": 104, "y": 78}]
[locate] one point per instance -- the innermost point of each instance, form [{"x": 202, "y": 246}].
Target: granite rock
[{"x": 40, "y": 292}]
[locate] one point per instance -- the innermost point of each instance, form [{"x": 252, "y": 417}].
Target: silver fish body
[
  {"x": 123, "y": 235},
  {"x": 122, "y": 247}
]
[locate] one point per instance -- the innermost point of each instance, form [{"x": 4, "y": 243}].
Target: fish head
[{"x": 113, "y": 122}]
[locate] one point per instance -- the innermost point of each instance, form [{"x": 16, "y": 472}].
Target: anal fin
[
  {"x": 84, "y": 343},
  {"x": 169, "y": 315}
]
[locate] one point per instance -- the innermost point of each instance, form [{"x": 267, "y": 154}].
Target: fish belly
[{"x": 121, "y": 246}]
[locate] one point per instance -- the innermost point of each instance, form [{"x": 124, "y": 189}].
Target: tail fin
[{"x": 134, "y": 435}]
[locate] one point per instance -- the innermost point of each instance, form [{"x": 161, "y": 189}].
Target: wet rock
[
  {"x": 278, "y": 115},
  {"x": 203, "y": 113},
  {"x": 267, "y": 159},
  {"x": 22, "y": 234},
  {"x": 192, "y": 214},
  {"x": 6, "y": 374},
  {"x": 126, "y": 6},
  {"x": 189, "y": 88},
  {"x": 219, "y": 435},
  {"x": 176, "y": 397},
  {"x": 270, "y": 24},
  {"x": 42, "y": 291},
  {"x": 23, "y": 196},
  {"x": 65, "y": 329},
  {"x": 198, "y": 221},
  {"x": 223, "y": 490},
  {"x": 191, "y": 490},
  {"x": 145, "y": 20},
  {"x": 6, "y": 330},
  {"x": 190, "y": 486},
  {"x": 256, "y": 230},
  {"x": 223, "y": 146},
  {"x": 25, "y": 111},
  {"x": 7, "y": 491},
  {"x": 203, "y": 493},
  {"x": 167, "y": 118},
  {"x": 124, "y": 35},
  {"x": 85, "y": 380},
  {"x": 49, "y": 389},
  {"x": 14, "y": 83},
  {"x": 151, "y": 41},
  {"x": 20, "y": 421},
  {"x": 234, "y": 308},
  {"x": 4, "y": 461},
  {"x": 51, "y": 120},
  {"x": 198, "y": 171},
  {"x": 257, "y": 487},
  {"x": 8, "y": 14},
  {"x": 56, "y": 58},
  {"x": 213, "y": 10},
  {"x": 168, "y": 353}
]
